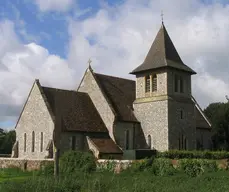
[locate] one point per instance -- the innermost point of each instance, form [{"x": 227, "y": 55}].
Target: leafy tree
[
  {"x": 7, "y": 140},
  {"x": 218, "y": 114}
]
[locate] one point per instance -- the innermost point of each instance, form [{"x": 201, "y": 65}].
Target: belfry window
[
  {"x": 147, "y": 83},
  {"x": 178, "y": 84},
  {"x": 154, "y": 83}
]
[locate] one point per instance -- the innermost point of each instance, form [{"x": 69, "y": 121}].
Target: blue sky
[
  {"x": 48, "y": 29},
  {"x": 53, "y": 40}
]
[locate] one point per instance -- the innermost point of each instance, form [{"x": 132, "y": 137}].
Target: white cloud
[
  {"x": 54, "y": 5},
  {"x": 124, "y": 34},
  {"x": 117, "y": 39},
  {"x": 20, "y": 64}
]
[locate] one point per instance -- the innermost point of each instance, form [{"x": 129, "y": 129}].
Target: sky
[{"x": 52, "y": 40}]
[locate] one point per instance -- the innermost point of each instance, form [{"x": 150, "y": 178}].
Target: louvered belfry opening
[
  {"x": 154, "y": 83},
  {"x": 147, "y": 84}
]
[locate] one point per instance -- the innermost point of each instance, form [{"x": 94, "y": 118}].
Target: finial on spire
[
  {"x": 89, "y": 61},
  {"x": 162, "y": 17},
  {"x": 89, "y": 64}
]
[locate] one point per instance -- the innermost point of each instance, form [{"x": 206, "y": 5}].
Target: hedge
[
  {"x": 176, "y": 154},
  {"x": 166, "y": 167}
]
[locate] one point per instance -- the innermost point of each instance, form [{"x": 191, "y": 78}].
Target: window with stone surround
[
  {"x": 154, "y": 83},
  {"x": 33, "y": 141},
  {"x": 41, "y": 145},
  {"x": 178, "y": 84},
  {"x": 24, "y": 142},
  {"x": 149, "y": 141},
  {"x": 127, "y": 139},
  {"x": 147, "y": 84},
  {"x": 182, "y": 142}
]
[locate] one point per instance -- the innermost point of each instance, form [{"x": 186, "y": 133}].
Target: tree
[
  {"x": 7, "y": 140},
  {"x": 218, "y": 114}
]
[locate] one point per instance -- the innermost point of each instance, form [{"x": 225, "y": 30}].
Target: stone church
[{"x": 112, "y": 116}]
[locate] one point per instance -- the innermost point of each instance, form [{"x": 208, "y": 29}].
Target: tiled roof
[
  {"x": 76, "y": 110},
  {"x": 121, "y": 95},
  {"x": 106, "y": 145},
  {"x": 162, "y": 54}
]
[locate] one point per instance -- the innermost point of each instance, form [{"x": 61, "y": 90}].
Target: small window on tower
[
  {"x": 147, "y": 83},
  {"x": 154, "y": 84}
]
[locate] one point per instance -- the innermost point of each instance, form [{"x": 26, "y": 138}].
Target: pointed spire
[{"x": 162, "y": 54}]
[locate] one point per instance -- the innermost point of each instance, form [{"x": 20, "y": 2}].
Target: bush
[
  {"x": 108, "y": 166},
  {"x": 163, "y": 167},
  {"x": 192, "y": 167},
  {"x": 73, "y": 161},
  {"x": 177, "y": 154},
  {"x": 141, "y": 165}
]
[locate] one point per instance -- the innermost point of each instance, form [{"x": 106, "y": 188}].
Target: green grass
[
  {"x": 109, "y": 182},
  {"x": 14, "y": 174}
]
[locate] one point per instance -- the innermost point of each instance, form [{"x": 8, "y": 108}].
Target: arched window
[
  {"x": 154, "y": 83},
  {"x": 33, "y": 141},
  {"x": 41, "y": 142},
  {"x": 149, "y": 141},
  {"x": 147, "y": 83},
  {"x": 24, "y": 142},
  {"x": 127, "y": 139}
]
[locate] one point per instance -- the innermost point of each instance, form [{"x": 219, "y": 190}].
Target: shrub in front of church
[
  {"x": 196, "y": 167},
  {"x": 77, "y": 161},
  {"x": 192, "y": 167},
  {"x": 140, "y": 165},
  {"x": 163, "y": 167},
  {"x": 177, "y": 154}
]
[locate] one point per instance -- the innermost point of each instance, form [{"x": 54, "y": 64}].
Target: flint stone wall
[{"x": 23, "y": 163}]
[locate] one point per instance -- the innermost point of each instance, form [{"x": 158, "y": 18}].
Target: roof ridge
[
  {"x": 61, "y": 89},
  {"x": 114, "y": 77}
]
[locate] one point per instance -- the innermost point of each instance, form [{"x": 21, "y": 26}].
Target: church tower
[{"x": 163, "y": 102}]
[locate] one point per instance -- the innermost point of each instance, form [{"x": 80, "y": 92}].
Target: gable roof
[
  {"x": 106, "y": 145},
  {"x": 76, "y": 110},
  {"x": 162, "y": 54},
  {"x": 120, "y": 93}
]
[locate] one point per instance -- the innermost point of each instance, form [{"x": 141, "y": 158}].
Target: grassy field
[
  {"x": 79, "y": 173},
  {"x": 18, "y": 181}
]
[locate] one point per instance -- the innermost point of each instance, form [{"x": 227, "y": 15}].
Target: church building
[{"x": 112, "y": 116}]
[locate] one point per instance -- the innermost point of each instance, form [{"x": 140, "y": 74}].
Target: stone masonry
[
  {"x": 90, "y": 86},
  {"x": 35, "y": 117}
]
